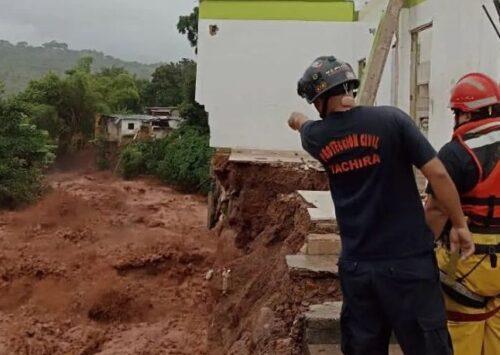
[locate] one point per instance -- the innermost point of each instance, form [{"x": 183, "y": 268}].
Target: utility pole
[{"x": 379, "y": 52}]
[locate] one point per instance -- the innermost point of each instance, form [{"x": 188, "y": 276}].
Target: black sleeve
[
  {"x": 309, "y": 143},
  {"x": 459, "y": 166},
  {"x": 416, "y": 146}
]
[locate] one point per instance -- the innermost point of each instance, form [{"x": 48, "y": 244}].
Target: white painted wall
[
  {"x": 463, "y": 42},
  {"x": 112, "y": 129},
  {"x": 125, "y": 131},
  {"x": 248, "y": 73}
]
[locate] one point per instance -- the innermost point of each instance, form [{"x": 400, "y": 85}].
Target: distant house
[
  {"x": 171, "y": 114},
  {"x": 119, "y": 128}
]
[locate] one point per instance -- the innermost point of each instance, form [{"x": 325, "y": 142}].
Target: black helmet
[{"x": 324, "y": 74}]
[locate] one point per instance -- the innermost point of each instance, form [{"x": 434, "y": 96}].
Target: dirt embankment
[
  {"x": 104, "y": 266},
  {"x": 265, "y": 220}
]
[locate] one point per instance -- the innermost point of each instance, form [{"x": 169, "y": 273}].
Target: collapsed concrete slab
[
  {"x": 269, "y": 157},
  {"x": 323, "y": 209},
  {"x": 315, "y": 266}
]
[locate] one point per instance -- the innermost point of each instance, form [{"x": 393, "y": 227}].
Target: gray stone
[
  {"x": 262, "y": 325},
  {"x": 323, "y": 244},
  {"x": 323, "y": 349},
  {"x": 315, "y": 266},
  {"x": 322, "y": 323}
]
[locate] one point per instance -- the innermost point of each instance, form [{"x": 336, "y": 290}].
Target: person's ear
[{"x": 348, "y": 101}]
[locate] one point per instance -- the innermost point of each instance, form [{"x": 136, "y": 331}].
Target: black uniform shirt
[
  {"x": 368, "y": 153},
  {"x": 459, "y": 165}
]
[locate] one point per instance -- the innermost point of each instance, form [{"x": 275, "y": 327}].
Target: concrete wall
[
  {"x": 125, "y": 131},
  {"x": 248, "y": 73},
  {"x": 113, "y": 131}
]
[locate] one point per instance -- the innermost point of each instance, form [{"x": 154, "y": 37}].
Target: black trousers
[{"x": 393, "y": 296}]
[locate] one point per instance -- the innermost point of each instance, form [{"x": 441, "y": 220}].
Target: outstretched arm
[{"x": 297, "y": 120}]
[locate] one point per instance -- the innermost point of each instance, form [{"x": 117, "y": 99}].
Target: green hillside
[{"x": 21, "y": 63}]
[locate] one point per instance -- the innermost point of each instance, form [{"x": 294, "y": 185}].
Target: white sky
[{"x": 127, "y": 29}]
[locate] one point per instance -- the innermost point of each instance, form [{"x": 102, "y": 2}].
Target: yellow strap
[
  {"x": 486, "y": 239},
  {"x": 451, "y": 266}
]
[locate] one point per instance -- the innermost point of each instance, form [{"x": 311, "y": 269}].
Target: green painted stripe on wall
[
  {"x": 322, "y": 10},
  {"x": 411, "y": 3}
]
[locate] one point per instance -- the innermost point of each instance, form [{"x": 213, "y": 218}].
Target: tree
[
  {"x": 188, "y": 25},
  {"x": 165, "y": 88},
  {"x": 56, "y": 45},
  {"x": 25, "y": 151},
  {"x": 193, "y": 113},
  {"x": 66, "y": 106}
]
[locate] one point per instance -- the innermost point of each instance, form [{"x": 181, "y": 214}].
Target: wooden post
[{"x": 379, "y": 52}]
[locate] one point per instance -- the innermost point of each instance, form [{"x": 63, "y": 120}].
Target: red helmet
[{"x": 473, "y": 92}]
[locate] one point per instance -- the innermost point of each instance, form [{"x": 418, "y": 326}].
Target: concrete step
[
  {"x": 314, "y": 266},
  {"x": 322, "y": 328},
  {"x": 322, "y": 324},
  {"x": 323, "y": 244},
  {"x": 323, "y": 349},
  {"x": 334, "y": 349}
]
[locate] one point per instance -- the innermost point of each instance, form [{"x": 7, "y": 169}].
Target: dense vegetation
[
  {"x": 20, "y": 63},
  {"x": 55, "y": 114},
  {"x": 25, "y": 151},
  {"x": 182, "y": 159}
]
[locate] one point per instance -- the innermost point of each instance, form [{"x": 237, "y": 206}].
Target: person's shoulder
[
  {"x": 453, "y": 149},
  {"x": 311, "y": 127},
  {"x": 389, "y": 112},
  {"x": 312, "y": 124}
]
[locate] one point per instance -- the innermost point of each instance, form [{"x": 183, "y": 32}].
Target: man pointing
[{"x": 388, "y": 271}]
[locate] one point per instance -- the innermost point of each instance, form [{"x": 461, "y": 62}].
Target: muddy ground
[
  {"x": 105, "y": 266},
  {"x": 263, "y": 220}
]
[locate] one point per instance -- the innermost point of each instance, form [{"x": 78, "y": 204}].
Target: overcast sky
[{"x": 127, "y": 29}]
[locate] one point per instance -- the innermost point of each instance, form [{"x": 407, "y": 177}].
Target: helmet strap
[{"x": 324, "y": 107}]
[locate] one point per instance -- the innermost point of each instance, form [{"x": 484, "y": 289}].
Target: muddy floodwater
[{"x": 105, "y": 266}]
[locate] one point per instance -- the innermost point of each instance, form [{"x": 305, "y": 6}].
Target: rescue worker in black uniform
[{"x": 388, "y": 272}]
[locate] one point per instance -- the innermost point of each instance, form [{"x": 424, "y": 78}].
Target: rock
[
  {"x": 240, "y": 347},
  {"x": 262, "y": 325},
  {"x": 209, "y": 274},
  {"x": 315, "y": 266},
  {"x": 283, "y": 346}
]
